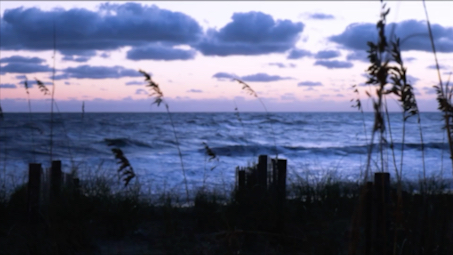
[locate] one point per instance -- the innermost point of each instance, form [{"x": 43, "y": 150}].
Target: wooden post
[
  {"x": 76, "y": 182},
  {"x": 382, "y": 195},
  {"x": 240, "y": 173},
  {"x": 55, "y": 181},
  {"x": 34, "y": 182},
  {"x": 281, "y": 179},
  {"x": 368, "y": 217},
  {"x": 262, "y": 172},
  {"x": 274, "y": 174}
]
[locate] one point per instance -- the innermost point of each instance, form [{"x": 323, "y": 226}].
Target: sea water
[{"x": 315, "y": 144}]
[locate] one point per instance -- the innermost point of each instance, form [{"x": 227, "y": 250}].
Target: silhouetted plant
[
  {"x": 41, "y": 87},
  {"x": 406, "y": 97},
  {"x": 125, "y": 169},
  {"x": 210, "y": 155},
  {"x": 158, "y": 99},
  {"x": 52, "y": 97},
  {"x": 250, "y": 91},
  {"x": 378, "y": 72},
  {"x": 443, "y": 94},
  {"x": 31, "y": 118},
  {"x": 358, "y": 104},
  {"x": 209, "y": 152}
]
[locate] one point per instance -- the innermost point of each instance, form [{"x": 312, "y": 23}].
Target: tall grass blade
[
  {"x": 31, "y": 118},
  {"x": 443, "y": 98},
  {"x": 53, "y": 88},
  {"x": 252, "y": 92},
  {"x": 125, "y": 169},
  {"x": 158, "y": 99}
]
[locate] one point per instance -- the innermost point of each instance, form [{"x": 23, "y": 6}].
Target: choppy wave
[
  {"x": 123, "y": 142},
  {"x": 149, "y": 142}
]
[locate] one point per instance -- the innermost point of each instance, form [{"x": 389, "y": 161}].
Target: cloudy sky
[{"x": 297, "y": 55}]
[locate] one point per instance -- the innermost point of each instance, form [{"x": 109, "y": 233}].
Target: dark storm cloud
[
  {"x": 333, "y": 64},
  {"x": 224, "y": 76},
  {"x": 21, "y": 59},
  {"x": 77, "y": 59},
  {"x": 80, "y": 31},
  {"x": 32, "y": 82},
  {"x": 252, "y": 33},
  {"x": 263, "y": 77},
  {"x": 409, "y": 78},
  {"x": 8, "y": 86},
  {"x": 25, "y": 68},
  {"x": 105, "y": 55},
  {"x": 413, "y": 35},
  {"x": 282, "y": 65},
  {"x": 360, "y": 55},
  {"x": 134, "y": 83},
  {"x": 299, "y": 53},
  {"x": 97, "y": 72},
  {"x": 258, "y": 77},
  {"x": 327, "y": 54},
  {"x": 159, "y": 52},
  {"x": 320, "y": 16},
  {"x": 309, "y": 83}
]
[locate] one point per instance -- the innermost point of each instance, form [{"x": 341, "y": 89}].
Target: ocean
[{"x": 316, "y": 145}]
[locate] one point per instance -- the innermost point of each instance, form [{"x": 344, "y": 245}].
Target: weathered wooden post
[
  {"x": 281, "y": 179},
  {"x": 240, "y": 174},
  {"x": 262, "y": 173},
  {"x": 55, "y": 181},
  {"x": 368, "y": 217},
  {"x": 382, "y": 195},
  {"x": 33, "y": 190}
]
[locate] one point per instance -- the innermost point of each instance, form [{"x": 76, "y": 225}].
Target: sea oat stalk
[
  {"x": 158, "y": 99},
  {"x": 250, "y": 91}
]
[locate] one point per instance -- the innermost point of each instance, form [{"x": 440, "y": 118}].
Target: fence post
[
  {"x": 240, "y": 173},
  {"x": 382, "y": 192},
  {"x": 281, "y": 179},
  {"x": 55, "y": 181},
  {"x": 368, "y": 217},
  {"x": 34, "y": 182},
  {"x": 262, "y": 173}
]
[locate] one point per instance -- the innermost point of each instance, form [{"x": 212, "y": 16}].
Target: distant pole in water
[{"x": 83, "y": 109}]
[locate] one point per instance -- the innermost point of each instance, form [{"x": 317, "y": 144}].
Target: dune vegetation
[{"x": 324, "y": 215}]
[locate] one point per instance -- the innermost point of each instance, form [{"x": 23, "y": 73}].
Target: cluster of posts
[
  {"x": 44, "y": 187},
  {"x": 267, "y": 180}
]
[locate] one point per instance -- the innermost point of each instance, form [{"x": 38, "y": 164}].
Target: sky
[{"x": 297, "y": 55}]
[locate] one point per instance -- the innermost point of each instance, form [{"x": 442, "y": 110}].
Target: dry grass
[
  {"x": 252, "y": 92},
  {"x": 125, "y": 169},
  {"x": 315, "y": 219},
  {"x": 158, "y": 95}
]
